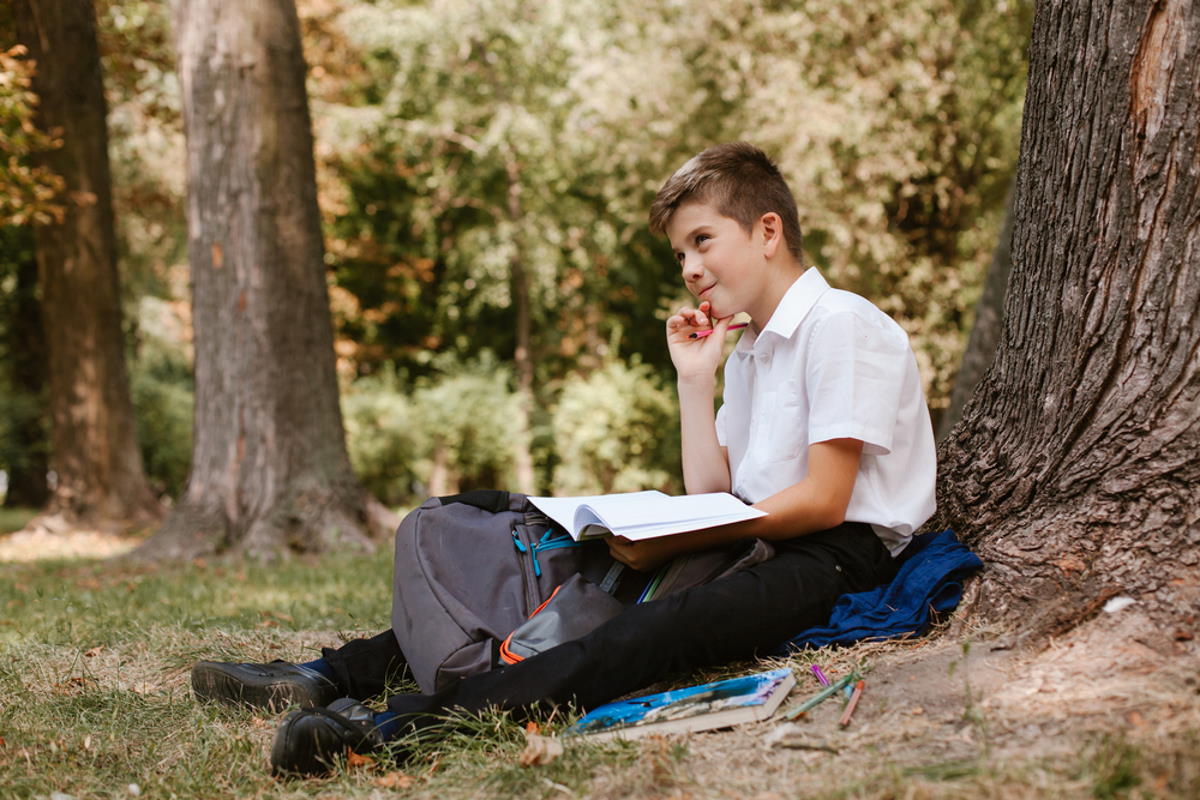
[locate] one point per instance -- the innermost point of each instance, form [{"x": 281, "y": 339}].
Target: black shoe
[
  {"x": 274, "y": 686},
  {"x": 310, "y": 741}
]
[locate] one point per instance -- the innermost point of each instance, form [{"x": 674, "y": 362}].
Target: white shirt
[{"x": 830, "y": 365}]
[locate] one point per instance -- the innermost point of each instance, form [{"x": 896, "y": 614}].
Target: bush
[
  {"x": 442, "y": 434},
  {"x": 466, "y": 417},
  {"x": 382, "y": 438},
  {"x": 160, "y": 382},
  {"x": 616, "y": 430},
  {"x": 19, "y": 411}
]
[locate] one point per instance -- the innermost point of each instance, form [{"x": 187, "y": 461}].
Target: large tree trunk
[
  {"x": 1076, "y": 469},
  {"x": 93, "y": 448},
  {"x": 269, "y": 467}
]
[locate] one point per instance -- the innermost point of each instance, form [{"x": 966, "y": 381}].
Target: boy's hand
[
  {"x": 645, "y": 555},
  {"x": 696, "y": 358}
]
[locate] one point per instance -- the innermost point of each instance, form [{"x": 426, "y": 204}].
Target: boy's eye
[{"x": 701, "y": 238}]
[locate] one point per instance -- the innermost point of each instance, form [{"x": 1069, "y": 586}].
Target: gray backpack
[{"x": 484, "y": 579}]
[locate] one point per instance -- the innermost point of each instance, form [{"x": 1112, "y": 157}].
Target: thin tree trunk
[
  {"x": 270, "y": 469},
  {"x": 1076, "y": 468},
  {"x": 93, "y": 448},
  {"x": 522, "y": 354}
]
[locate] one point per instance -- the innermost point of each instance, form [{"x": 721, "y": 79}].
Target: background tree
[
  {"x": 1076, "y": 468},
  {"x": 94, "y": 456},
  {"x": 269, "y": 465}
]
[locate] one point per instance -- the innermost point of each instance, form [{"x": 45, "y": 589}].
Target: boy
[{"x": 824, "y": 426}]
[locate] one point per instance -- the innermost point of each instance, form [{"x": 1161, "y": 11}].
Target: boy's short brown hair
[{"x": 739, "y": 181}]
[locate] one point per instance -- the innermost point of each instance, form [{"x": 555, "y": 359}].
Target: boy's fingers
[{"x": 685, "y": 318}]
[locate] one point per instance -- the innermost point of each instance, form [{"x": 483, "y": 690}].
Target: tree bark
[
  {"x": 1075, "y": 471},
  {"x": 989, "y": 323},
  {"x": 99, "y": 478},
  {"x": 270, "y": 469}
]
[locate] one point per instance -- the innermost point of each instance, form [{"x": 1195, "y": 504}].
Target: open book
[
  {"x": 748, "y": 698},
  {"x": 644, "y": 515}
]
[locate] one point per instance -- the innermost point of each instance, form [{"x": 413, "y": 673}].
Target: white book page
[
  {"x": 564, "y": 510},
  {"x": 647, "y": 517}
]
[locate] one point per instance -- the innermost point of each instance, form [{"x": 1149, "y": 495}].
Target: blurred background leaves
[{"x": 454, "y": 138}]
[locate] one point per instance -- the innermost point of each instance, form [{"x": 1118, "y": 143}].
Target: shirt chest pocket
[{"x": 780, "y": 427}]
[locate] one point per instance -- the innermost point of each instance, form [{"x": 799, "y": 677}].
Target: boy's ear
[{"x": 771, "y": 227}]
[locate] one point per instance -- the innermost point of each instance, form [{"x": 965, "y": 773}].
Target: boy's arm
[
  {"x": 816, "y": 503},
  {"x": 705, "y": 462}
]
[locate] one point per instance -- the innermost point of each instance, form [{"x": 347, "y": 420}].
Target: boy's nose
[{"x": 693, "y": 268}]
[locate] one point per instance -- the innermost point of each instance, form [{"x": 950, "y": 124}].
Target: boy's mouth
[{"x": 705, "y": 290}]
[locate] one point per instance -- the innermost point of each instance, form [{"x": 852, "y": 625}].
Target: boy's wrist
[{"x": 702, "y": 382}]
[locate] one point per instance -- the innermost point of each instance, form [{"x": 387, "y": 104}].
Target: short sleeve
[{"x": 854, "y": 379}]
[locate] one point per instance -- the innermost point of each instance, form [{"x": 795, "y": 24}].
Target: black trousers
[{"x": 736, "y": 617}]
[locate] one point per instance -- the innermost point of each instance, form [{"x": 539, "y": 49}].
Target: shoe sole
[{"x": 210, "y": 683}]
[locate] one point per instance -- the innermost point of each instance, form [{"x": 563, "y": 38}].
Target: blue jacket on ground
[{"x": 929, "y": 580}]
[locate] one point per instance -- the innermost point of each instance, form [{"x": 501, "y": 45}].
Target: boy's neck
[{"x": 781, "y": 276}]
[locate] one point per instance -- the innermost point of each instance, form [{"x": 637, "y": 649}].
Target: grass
[
  {"x": 13, "y": 519},
  {"x": 94, "y": 659}
]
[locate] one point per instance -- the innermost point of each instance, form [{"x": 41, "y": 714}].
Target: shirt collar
[{"x": 793, "y": 307}]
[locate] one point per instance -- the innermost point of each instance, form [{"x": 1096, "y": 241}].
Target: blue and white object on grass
[{"x": 748, "y": 698}]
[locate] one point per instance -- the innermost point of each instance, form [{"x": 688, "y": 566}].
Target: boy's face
[{"x": 718, "y": 258}]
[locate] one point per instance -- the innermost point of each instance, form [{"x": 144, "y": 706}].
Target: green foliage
[
  {"x": 465, "y": 415},
  {"x": 161, "y": 387},
  {"x": 163, "y": 408},
  {"x": 146, "y": 147},
  {"x": 538, "y": 133},
  {"x": 23, "y": 425},
  {"x": 17, "y": 410},
  {"x": 162, "y": 391},
  {"x": 616, "y": 430},
  {"x": 477, "y": 157},
  {"x": 382, "y": 437},
  {"x": 443, "y": 432}
]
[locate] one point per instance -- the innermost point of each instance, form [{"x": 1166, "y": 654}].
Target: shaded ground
[{"x": 1109, "y": 710}]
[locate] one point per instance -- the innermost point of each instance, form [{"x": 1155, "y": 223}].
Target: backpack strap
[{"x": 492, "y": 500}]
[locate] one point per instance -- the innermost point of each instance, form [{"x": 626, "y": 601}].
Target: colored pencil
[
  {"x": 702, "y": 334},
  {"x": 858, "y": 690}
]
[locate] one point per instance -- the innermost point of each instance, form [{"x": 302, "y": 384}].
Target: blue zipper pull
[{"x": 518, "y": 543}]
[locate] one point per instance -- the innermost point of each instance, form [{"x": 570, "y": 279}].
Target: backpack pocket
[{"x": 574, "y": 609}]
